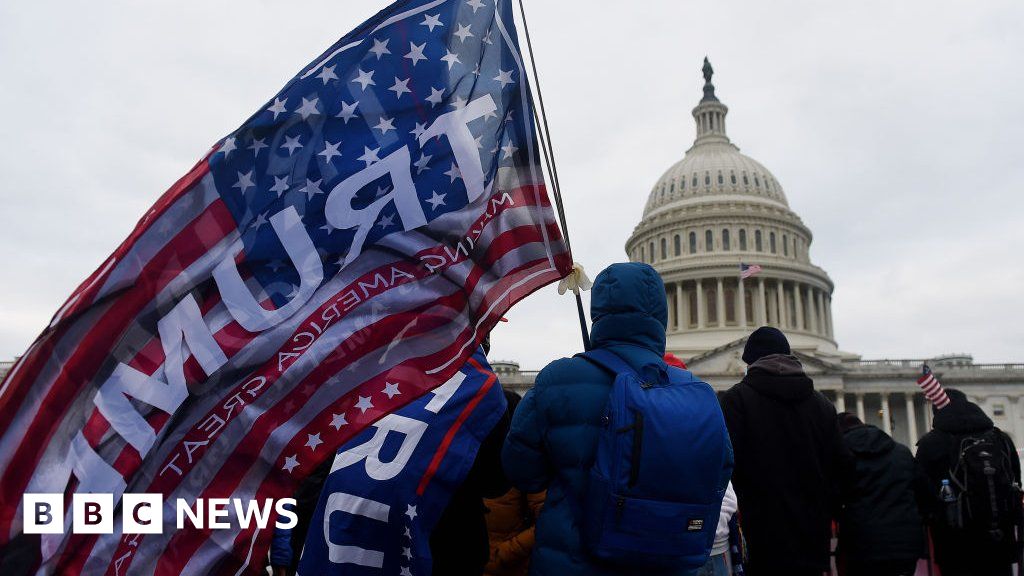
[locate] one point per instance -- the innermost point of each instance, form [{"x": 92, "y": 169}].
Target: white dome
[{"x": 714, "y": 169}]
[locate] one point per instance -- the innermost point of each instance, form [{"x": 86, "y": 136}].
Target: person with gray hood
[{"x": 789, "y": 459}]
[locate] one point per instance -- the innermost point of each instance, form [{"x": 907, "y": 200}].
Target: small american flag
[
  {"x": 748, "y": 270},
  {"x": 932, "y": 388}
]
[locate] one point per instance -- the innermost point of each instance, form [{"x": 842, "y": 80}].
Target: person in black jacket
[
  {"x": 788, "y": 459},
  {"x": 880, "y": 529},
  {"x": 962, "y": 552}
]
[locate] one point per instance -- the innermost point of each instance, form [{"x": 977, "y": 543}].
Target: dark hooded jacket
[
  {"x": 555, "y": 429},
  {"x": 879, "y": 521},
  {"x": 935, "y": 456},
  {"x": 788, "y": 460}
]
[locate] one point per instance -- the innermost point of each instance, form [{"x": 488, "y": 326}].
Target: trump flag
[
  {"x": 388, "y": 488},
  {"x": 333, "y": 259}
]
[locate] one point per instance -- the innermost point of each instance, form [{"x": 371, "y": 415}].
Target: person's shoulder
[{"x": 566, "y": 371}]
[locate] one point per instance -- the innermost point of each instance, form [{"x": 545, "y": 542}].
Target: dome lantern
[{"x": 710, "y": 113}]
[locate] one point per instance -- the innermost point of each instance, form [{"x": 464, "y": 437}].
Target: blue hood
[{"x": 628, "y": 307}]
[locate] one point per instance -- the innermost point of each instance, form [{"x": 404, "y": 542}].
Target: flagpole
[{"x": 548, "y": 152}]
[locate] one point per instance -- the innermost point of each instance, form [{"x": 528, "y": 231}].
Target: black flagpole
[{"x": 549, "y": 160}]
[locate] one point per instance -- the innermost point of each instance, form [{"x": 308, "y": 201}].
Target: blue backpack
[{"x": 662, "y": 466}]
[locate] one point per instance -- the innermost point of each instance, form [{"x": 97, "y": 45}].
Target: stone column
[
  {"x": 798, "y": 302},
  {"x": 701, "y": 308},
  {"x": 780, "y": 297},
  {"x": 911, "y": 421},
  {"x": 720, "y": 302},
  {"x": 840, "y": 400},
  {"x": 886, "y": 421},
  {"x": 762, "y": 303},
  {"x": 812, "y": 319},
  {"x": 742, "y": 305},
  {"x": 682, "y": 308},
  {"x": 860, "y": 406},
  {"x": 673, "y": 314},
  {"x": 828, "y": 315},
  {"x": 821, "y": 312}
]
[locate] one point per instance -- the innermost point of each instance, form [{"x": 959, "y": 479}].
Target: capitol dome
[{"x": 713, "y": 211}]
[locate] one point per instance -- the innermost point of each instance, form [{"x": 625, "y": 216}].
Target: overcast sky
[{"x": 896, "y": 129}]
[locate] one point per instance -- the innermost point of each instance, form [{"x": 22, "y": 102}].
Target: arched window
[
  {"x": 682, "y": 184},
  {"x": 771, "y": 243},
  {"x": 785, "y": 245},
  {"x": 664, "y": 249},
  {"x": 642, "y": 255},
  {"x": 732, "y": 178},
  {"x": 795, "y": 253},
  {"x": 672, "y": 188},
  {"x": 709, "y": 241},
  {"x": 721, "y": 179},
  {"x": 677, "y": 244},
  {"x": 693, "y": 242},
  {"x": 707, "y": 178},
  {"x": 757, "y": 241},
  {"x": 746, "y": 182},
  {"x": 652, "y": 251},
  {"x": 726, "y": 241},
  {"x": 730, "y": 306},
  {"x": 757, "y": 181},
  {"x": 694, "y": 180},
  {"x": 743, "y": 239}
]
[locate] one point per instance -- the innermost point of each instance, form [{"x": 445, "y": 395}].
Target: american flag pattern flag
[
  {"x": 748, "y": 270},
  {"x": 338, "y": 255},
  {"x": 932, "y": 388}
]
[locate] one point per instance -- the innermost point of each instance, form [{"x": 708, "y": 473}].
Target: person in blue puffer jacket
[{"x": 553, "y": 438}]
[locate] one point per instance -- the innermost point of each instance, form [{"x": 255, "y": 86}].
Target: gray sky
[{"x": 895, "y": 128}]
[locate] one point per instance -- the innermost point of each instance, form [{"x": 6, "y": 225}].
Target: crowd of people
[{"x": 764, "y": 479}]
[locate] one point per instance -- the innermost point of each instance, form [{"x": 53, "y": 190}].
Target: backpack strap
[{"x": 609, "y": 361}]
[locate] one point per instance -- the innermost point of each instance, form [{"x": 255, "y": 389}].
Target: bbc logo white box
[
  {"x": 43, "y": 513},
  {"x": 92, "y": 513},
  {"x": 142, "y": 514}
]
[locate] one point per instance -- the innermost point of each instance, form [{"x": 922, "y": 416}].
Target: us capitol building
[{"x": 717, "y": 208}]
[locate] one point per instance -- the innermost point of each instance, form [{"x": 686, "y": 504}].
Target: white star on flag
[
  {"x": 400, "y": 87},
  {"x": 435, "y": 96},
  {"x": 380, "y": 48},
  {"x": 475, "y": 4},
  {"x": 451, "y": 58},
  {"x": 391, "y": 390},
  {"x": 421, "y": 164},
  {"x": 454, "y": 173},
  {"x": 308, "y": 108},
  {"x": 386, "y": 125},
  {"x": 364, "y": 79},
  {"x": 338, "y": 420},
  {"x": 327, "y": 74},
  {"x": 410, "y": 511},
  {"x": 277, "y": 107},
  {"x": 369, "y": 156},
  {"x": 436, "y": 201},
  {"x": 244, "y": 181},
  {"x": 330, "y": 151},
  {"x": 348, "y": 111},
  {"x": 386, "y": 221},
  {"x": 463, "y": 32},
  {"x": 509, "y": 150},
  {"x": 364, "y": 404},
  {"x": 291, "y": 143},
  {"x": 313, "y": 441},
  {"x": 432, "y": 21},
  {"x": 290, "y": 463},
  {"x": 505, "y": 78},
  {"x": 416, "y": 53},
  {"x": 280, "y": 185},
  {"x": 257, "y": 145},
  {"x": 229, "y": 146}
]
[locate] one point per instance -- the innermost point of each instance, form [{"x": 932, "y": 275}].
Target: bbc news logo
[{"x": 144, "y": 513}]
